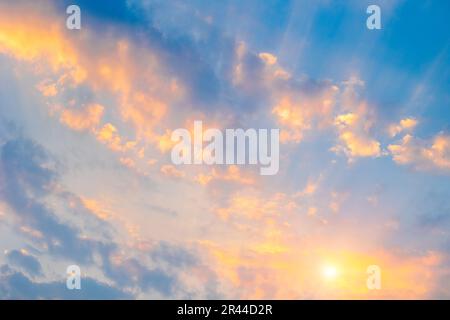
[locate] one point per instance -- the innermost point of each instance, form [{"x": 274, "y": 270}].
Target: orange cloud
[
  {"x": 406, "y": 124},
  {"x": 38, "y": 38},
  {"x": 359, "y": 146},
  {"x": 353, "y": 129},
  {"x": 297, "y": 114},
  {"x": 142, "y": 89},
  {"x": 310, "y": 188},
  {"x": 108, "y": 135},
  {"x": 232, "y": 174},
  {"x": 354, "y": 124},
  {"x": 96, "y": 208},
  {"x": 424, "y": 155},
  {"x": 84, "y": 119},
  {"x": 268, "y": 58},
  {"x": 251, "y": 206},
  {"x": 47, "y": 89},
  {"x": 170, "y": 171}
]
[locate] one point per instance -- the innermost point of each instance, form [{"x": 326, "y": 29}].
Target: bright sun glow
[{"x": 330, "y": 272}]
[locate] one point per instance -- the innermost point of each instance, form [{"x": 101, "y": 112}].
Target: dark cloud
[
  {"x": 27, "y": 170},
  {"x": 196, "y": 47},
  {"x": 7, "y": 130},
  {"x": 15, "y": 285},
  {"x": 131, "y": 274},
  {"x": 25, "y": 261},
  {"x": 173, "y": 255},
  {"x": 28, "y": 175}
]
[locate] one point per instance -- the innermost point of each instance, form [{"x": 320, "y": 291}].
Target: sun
[{"x": 330, "y": 272}]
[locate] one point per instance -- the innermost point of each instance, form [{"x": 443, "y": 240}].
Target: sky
[{"x": 86, "y": 176}]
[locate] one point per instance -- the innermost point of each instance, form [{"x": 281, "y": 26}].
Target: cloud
[
  {"x": 433, "y": 154},
  {"x": 356, "y": 143},
  {"x": 354, "y": 124},
  {"x": 407, "y": 124},
  {"x": 310, "y": 188},
  {"x": 25, "y": 261},
  {"x": 65, "y": 62},
  {"x": 47, "y": 89},
  {"x": 130, "y": 273},
  {"x": 232, "y": 174},
  {"x": 297, "y": 104},
  {"x": 15, "y": 285},
  {"x": 171, "y": 171},
  {"x": 38, "y": 39},
  {"x": 28, "y": 175},
  {"x": 302, "y": 106},
  {"x": 175, "y": 256},
  {"x": 96, "y": 208},
  {"x": 268, "y": 58},
  {"x": 126, "y": 87},
  {"x": 109, "y": 135},
  {"x": 82, "y": 119}
]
